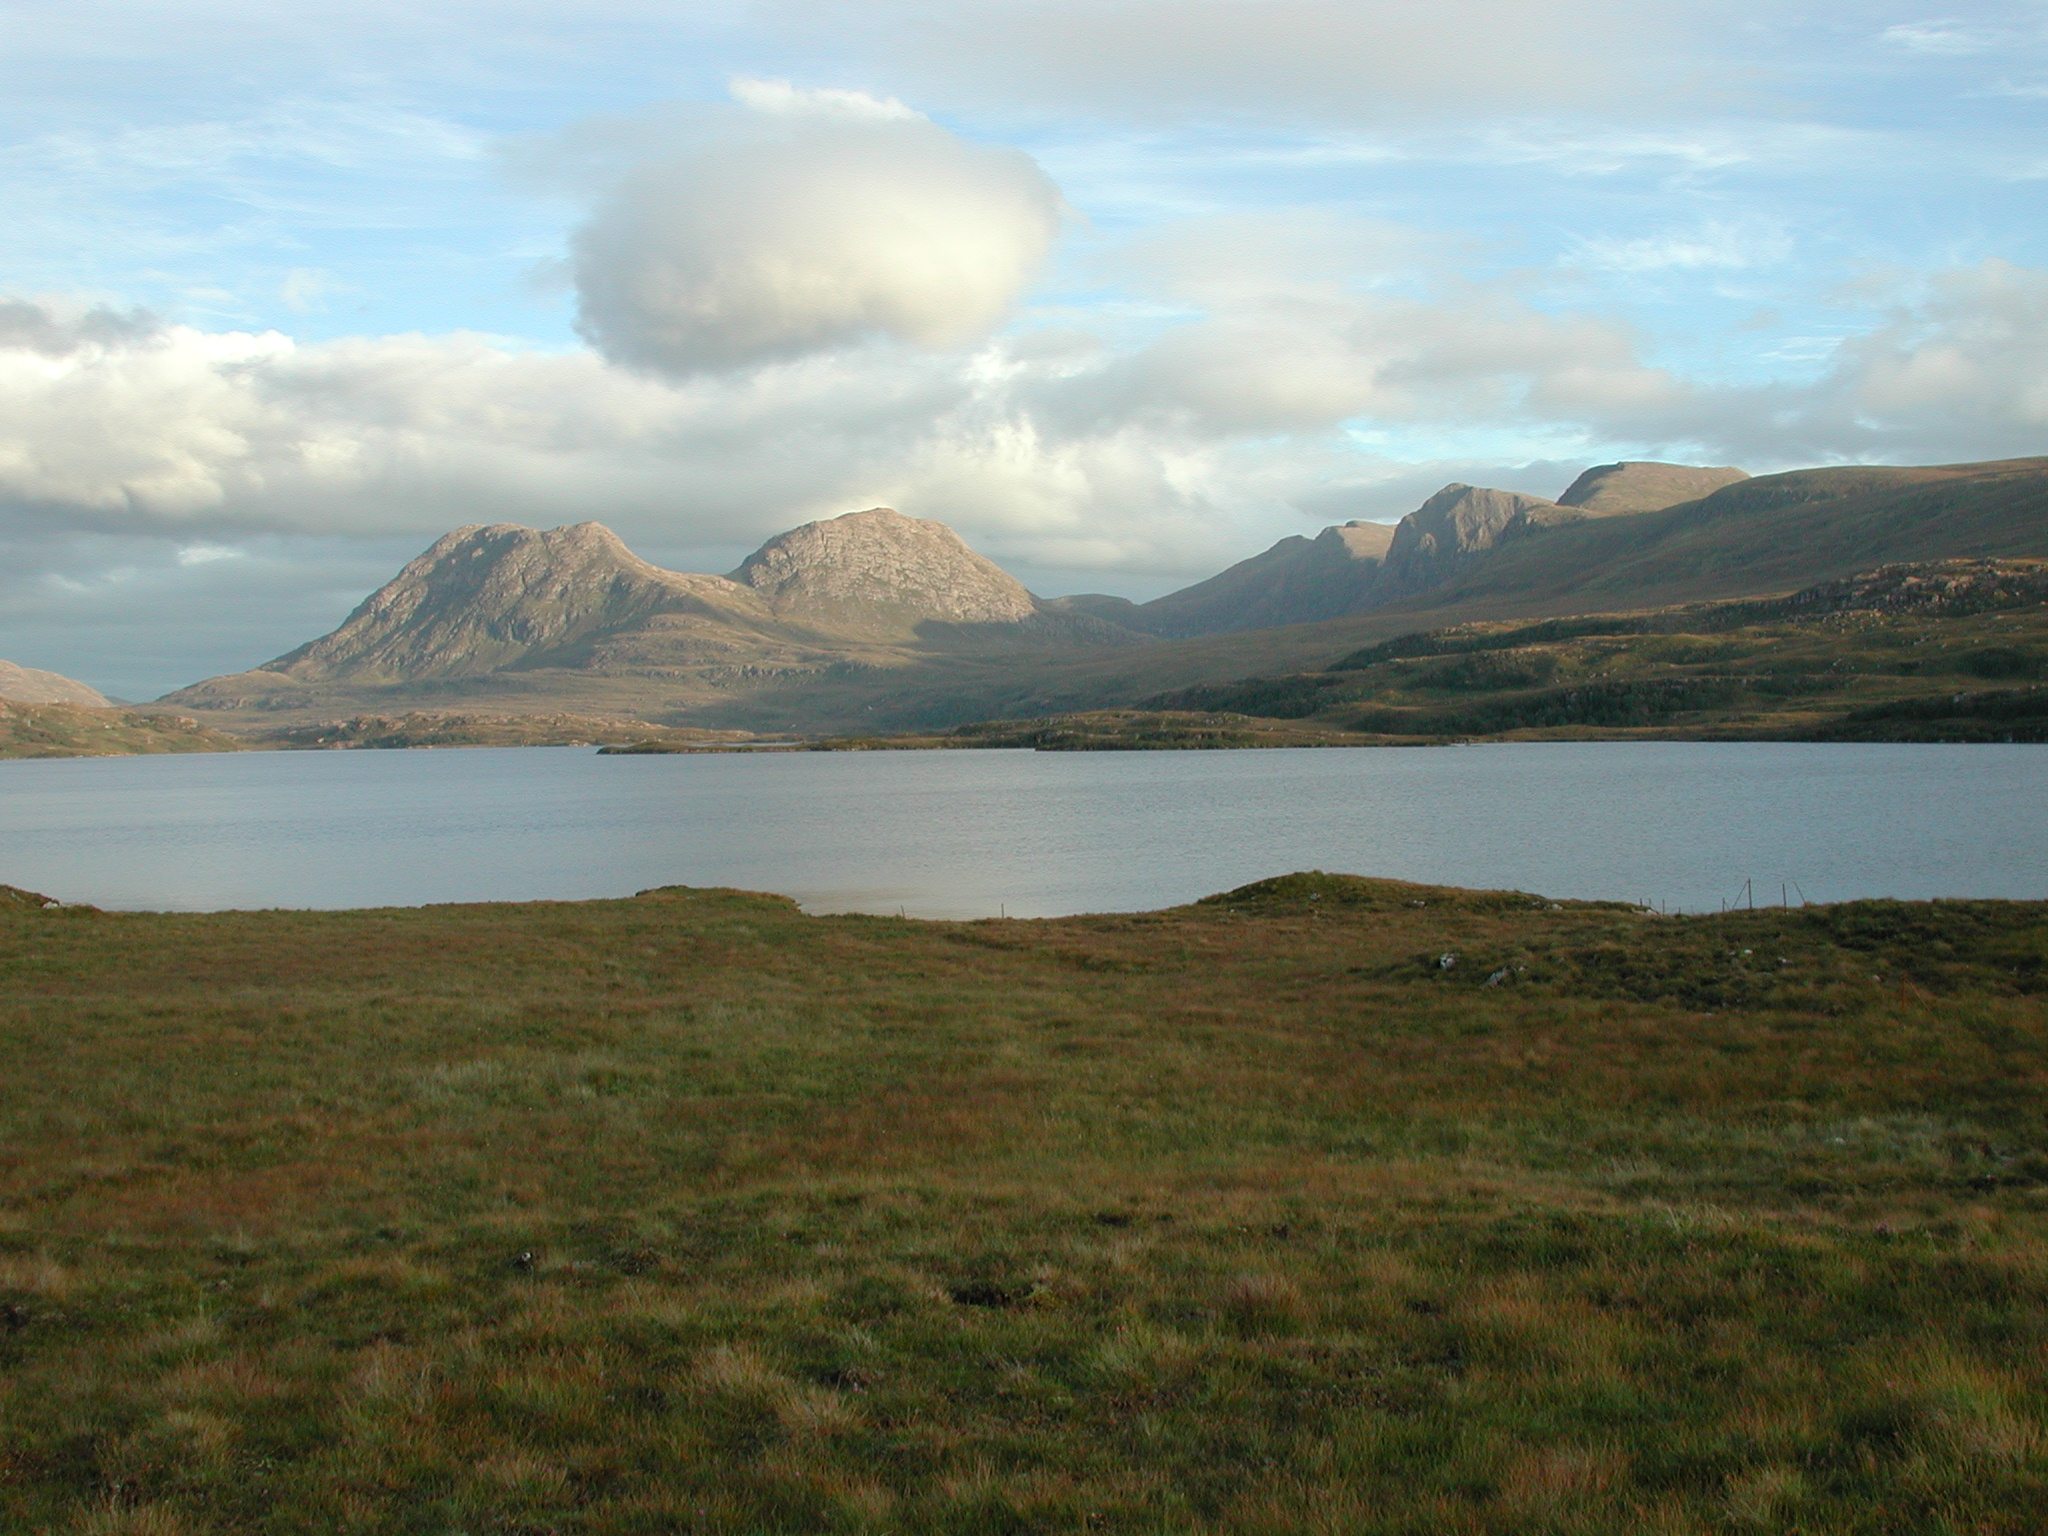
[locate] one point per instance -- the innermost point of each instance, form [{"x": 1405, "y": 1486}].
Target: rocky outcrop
[
  {"x": 1440, "y": 537},
  {"x": 28, "y": 685}
]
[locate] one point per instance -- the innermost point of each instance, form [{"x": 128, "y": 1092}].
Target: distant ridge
[{"x": 1357, "y": 566}]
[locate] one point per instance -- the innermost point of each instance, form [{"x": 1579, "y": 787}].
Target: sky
[{"x": 1123, "y": 290}]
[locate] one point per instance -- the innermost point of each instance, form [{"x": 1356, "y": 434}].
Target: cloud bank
[{"x": 1052, "y": 447}]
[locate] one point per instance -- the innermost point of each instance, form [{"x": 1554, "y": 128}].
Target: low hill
[{"x": 27, "y": 685}]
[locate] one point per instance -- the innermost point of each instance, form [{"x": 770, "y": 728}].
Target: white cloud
[
  {"x": 1714, "y": 245},
  {"x": 1956, "y": 372},
  {"x": 1964, "y": 369},
  {"x": 779, "y": 98},
  {"x": 800, "y": 231},
  {"x": 208, "y": 554},
  {"x": 1951, "y": 39},
  {"x": 1296, "y": 323},
  {"x": 306, "y": 289}
]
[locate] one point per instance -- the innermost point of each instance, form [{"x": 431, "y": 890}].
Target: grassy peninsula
[
  {"x": 1327, "y": 1205},
  {"x": 72, "y": 730}
]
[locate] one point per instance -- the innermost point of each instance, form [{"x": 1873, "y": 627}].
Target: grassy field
[{"x": 692, "y": 1213}]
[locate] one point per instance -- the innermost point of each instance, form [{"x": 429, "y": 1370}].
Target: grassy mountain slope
[{"x": 1770, "y": 534}]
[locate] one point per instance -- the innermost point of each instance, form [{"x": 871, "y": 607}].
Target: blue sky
[{"x": 1123, "y": 289}]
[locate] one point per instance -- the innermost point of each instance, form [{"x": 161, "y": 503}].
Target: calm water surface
[{"x": 949, "y": 834}]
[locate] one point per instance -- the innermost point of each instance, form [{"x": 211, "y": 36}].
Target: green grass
[{"x": 690, "y": 1212}]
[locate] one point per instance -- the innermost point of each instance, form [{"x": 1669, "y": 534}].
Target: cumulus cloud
[
  {"x": 1961, "y": 370},
  {"x": 60, "y": 330},
  {"x": 1956, "y": 371},
  {"x": 1950, "y": 38},
  {"x": 1300, "y": 324},
  {"x": 820, "y": 220}
]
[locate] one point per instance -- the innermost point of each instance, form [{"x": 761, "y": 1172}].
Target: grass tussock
[{"x": 691, "y": 1212}]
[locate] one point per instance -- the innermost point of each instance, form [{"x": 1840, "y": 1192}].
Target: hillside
[
  {"x": 1297, "y": 580},
  {"x": 1943, "y": 651},
  {"x": 1770, "y": 534},
  {"x": 879, "y": 570}
]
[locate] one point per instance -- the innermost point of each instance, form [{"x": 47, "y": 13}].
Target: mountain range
[{"x": 878, "y": 621}]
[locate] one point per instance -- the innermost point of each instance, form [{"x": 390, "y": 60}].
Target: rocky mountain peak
[
  {"x": 484, "y": 597},
  {"x": 881, "y": 560},
  {"x": 1456, "y": 523},
  {"x": 1460, "y": 519}
]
